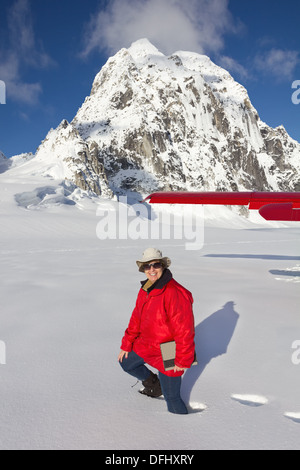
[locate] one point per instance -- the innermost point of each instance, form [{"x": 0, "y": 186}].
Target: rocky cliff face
[
  {"x": 65, "y": 155},
  {"x": 167, "y": 123}
]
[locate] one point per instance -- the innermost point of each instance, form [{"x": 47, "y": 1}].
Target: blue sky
[{"x": 51, "y": 50}]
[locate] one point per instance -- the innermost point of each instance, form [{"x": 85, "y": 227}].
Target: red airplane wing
[{"x": 271, "y": 206}]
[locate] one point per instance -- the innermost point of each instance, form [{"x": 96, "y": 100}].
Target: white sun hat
[{"x": 153, "y": 254}]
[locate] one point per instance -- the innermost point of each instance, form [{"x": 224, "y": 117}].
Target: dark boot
[{"x": 152, "y": 386}]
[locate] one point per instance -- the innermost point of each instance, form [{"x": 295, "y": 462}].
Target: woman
[{"x": 163, "y": 312}]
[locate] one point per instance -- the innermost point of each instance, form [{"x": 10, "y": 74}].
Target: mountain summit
[{"x": 154, "y": 122}]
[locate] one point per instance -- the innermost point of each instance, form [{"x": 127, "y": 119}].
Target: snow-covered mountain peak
[
  {"x": 157, "y": 122},
  {"x": 214, "y": 75},
  {"x": 143, "y": 48}
]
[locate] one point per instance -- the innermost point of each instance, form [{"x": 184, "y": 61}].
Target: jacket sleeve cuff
[{"x": 126, "y": 346}]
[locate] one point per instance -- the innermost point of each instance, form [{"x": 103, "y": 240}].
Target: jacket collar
[{"x": 166, "y": 277}]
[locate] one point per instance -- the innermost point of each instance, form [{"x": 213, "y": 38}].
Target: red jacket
[{"x": 164, "y": 313}]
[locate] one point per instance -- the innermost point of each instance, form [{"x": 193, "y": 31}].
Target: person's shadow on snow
[{"x": 212, "y": 337}]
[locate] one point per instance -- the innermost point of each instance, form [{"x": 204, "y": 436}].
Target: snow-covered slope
[
  {"x": 66, "y": 298},
  {"x": 154, "y": 122}
]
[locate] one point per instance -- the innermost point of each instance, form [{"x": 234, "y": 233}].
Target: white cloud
[
  {"x": 21, "y": 48},
  {"x": 22, "y": 37},
  {"x": 16, "y": 88},
  {"x": 278, "y": 62},
  {"x": 234, "y": 67},
  {"x": 194, "y": 25}
]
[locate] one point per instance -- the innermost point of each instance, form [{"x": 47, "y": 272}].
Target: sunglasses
[{"x": 147, "y": 267}]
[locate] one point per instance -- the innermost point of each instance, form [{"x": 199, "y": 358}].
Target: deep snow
[{"x": 66, "y": 298}]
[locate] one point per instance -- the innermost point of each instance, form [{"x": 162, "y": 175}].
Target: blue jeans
[{"x": 135, "y": 366}]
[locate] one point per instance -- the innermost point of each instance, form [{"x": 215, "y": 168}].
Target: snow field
[{"x": 66, "y": 298}]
